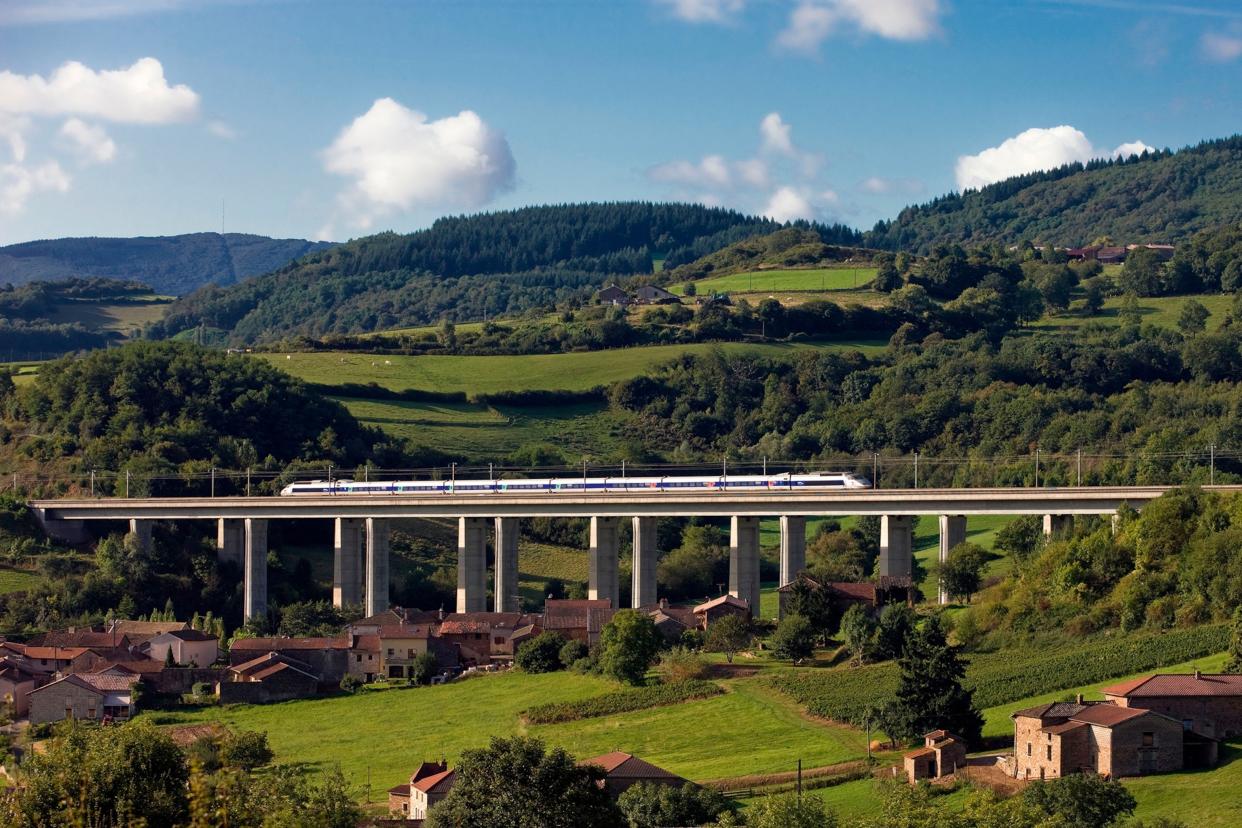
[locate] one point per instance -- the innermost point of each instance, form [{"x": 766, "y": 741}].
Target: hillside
[
  {"x": 468, "y": 267},
  {"x": 789, "y": 247},
  {"x": 171, "y": 265},
  {"x": 1158, "y": 197}
]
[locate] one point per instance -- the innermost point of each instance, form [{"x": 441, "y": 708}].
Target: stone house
[
  {"x": 427, "y": 791},
  {"x": 482, "y": 637},
  {"x": 624, "y": 770},
  {"x": 187, "y": 647},
  {"x": 16, "y": 683},
  {"x": 1210, "y": 705},
  {"x": 1057, "y": 739},
  {"x": 271, "y": 677},
  {"x": 578, "y": 619},
  {"x": 95, "y": 697},
  {"x": 140, "y": 632},
  {"x": 709, "y": 612},
  {"x": 326, "y": 657},
  {"x": 841, "y": 595},
  {"x": 941, "y": 755},
  {"x": 400, "y": 797}
]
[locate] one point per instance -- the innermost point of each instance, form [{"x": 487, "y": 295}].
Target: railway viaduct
[{"x": 360, "y": 572}]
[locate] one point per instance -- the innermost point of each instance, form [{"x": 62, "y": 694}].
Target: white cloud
[
  {"x": 221, "y": 130},
  {"x": 20, "y": 12},
  {"x": 776, "y": 134},
  {"x": 712, "y": 171},
  {"x": 704, "y": 11},
  {"x": 138, "y": 94},
  {"x": 878, "y": 185},
  {"x": 1030, "y": 151},
  {"x": 788, "y": 204},
  {"x": 13, "y": 131},
  {"x": 400, "y": 160},
  {"x": 1219, "y": 47},
  {"x": 813, "y": 21},
  {"x": 90, "y": 142},
  {"x": 19, "y": 182},
  {"x": 1131, "y": 148}
]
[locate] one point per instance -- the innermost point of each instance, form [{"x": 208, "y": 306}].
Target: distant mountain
[
  {"x": 1157, "y": 197},
  {"x": 171, "y": 265},
  {"x": 465, "y": 268}
]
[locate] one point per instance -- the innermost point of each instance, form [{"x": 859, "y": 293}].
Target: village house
[
  {"x": 613, "y": 295},
  {"x": 1210, "y": 705},
  {"x": 189, "y": 647},
  {"x": 655, "y": 295},
  {"x": 482, "y": 637},
  {"x": 624, "y": 770},
  {"x": 271, "y": 677},
  {"x": 709, "y": 612},
  {"x": 328, "y": 658},
  {"x": 16, "y": 684},
  {"x": 672, "y": 622},
  {"x": 841, "y": 595},
  {"x": 140, "y": 632},
  {"x": 1057, "y": 739},
  {"x": 429, "y": 783},
  {"x": 91, "y": 696},
  {"x": 941, "y": 755},
  {"x": 578, "y": 619}
]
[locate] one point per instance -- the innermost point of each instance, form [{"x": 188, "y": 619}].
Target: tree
[
  {"x": 310, "y": 618},
  {"x": 887, "y": 276},
  {"x": 930, "y": 693},
  {"x": 794, "y": 638},
  {"x": 1193, "y": 317},
  {"x": 1141, "y": 274},
  {"x": 246, "y": 750},
  {"x": 961, "y": 575},
  {"x": 1020, "y": 538},
  {"x": 515, "y": 783},
  {"x": 1130, "y": 313},
  {"x": 628, "y": 645},
  {"x": 728, "y": 635},
  {"x": 858, "y": 631},
  {"x": 541, "y": 654},
  {"x": 423, "y": 668},
  {"x": 1093, "y": 296},
  {"x": 809, "y": 600},
  {"x": 571, "y": 651},
  {"x": 790, "y": 811},
  {"x": 650, "y": 805},
  {"x": 1234, "y": 664},
  {"x": 897, "y": 624},
  {"x": 1084, "y": 800}
]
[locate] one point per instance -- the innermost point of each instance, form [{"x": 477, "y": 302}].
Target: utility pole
[
  {"x": 916, "y": 470},
  {"x": 1079, "y": 457},
  {"x": 1037, "y": 468},
  {"x": 799, "y": 779},
  {"x": 127, "y": 484},
  {"x": 875, "y": 470},
  {"x": 1212, "y": 464},
  {"x": 247, "y": 481},
  {"x": 213, "y": 481},
  {"x": 92, "y": 482}
]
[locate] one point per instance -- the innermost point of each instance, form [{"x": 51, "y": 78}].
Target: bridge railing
[{"x": 905, "y": 471}]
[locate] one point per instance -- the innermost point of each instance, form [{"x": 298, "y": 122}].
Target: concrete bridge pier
[
  {"x": 231, "y": 541},
  {"x": 347, "y": 563},
  {"x": 1057, "y": 525},
  {"x": 141, "y": 530},
  {"x": 952, "y": 533},
  {"x": 644, "y": 586},
  {"x": 744, "y": 561},
  {"x": 471, "y": 564},
  {"x": 604, "y": 582},
  {"x": 377, "y": 566},
  {"x": 896, "y": 545},
  {"x": 793, "y": 550},
  {"x": 506, "y": 596},
  {"x": 255, "y": 570}
]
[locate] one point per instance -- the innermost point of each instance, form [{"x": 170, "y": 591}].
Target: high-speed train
[{"x": 721, "y": 483}]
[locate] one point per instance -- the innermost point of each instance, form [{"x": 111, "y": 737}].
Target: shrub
[
  {"x": 680, "y": 664},
  {"x": 351, "y": 683},
  {"x": 424, "y": 668},
  {"x": 794, "y": 638},
  {"x": 621, "y": 701},
  {"x": 648, "y": 803},
  {"x": 572, "y": 651},
  {"x": 628, "y": 646},
  {"x": 246, "y": 750},
  {"x": 541, "y": 654}
]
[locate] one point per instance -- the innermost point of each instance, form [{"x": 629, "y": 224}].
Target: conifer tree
[{"x": 930, "y": 695}]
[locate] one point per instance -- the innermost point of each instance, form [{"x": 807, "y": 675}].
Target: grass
[
  {"x": 818, "y": 279},
  {"x": 1200, "y": 798},
  {"x": 17, "y": 580},
  {"x": 485, "y": 432},
  {"x": 125, "y": 318},
  {"x": 1161, "y": 311},
  {"x": 577, "y": 371}
]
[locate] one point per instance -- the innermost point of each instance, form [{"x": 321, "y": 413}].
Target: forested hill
[
  {"x": 1157, "y": 197},
  {"x": 171, "y": 265},
  {"x": 467, "y": 267}
]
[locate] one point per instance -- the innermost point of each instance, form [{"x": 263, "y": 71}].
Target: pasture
[
  {"x": 1161, "y": 311},
  {"x": 816, "y": 279}
]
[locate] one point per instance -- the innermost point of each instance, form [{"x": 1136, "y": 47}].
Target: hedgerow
[
  {"x": 1008, "y": 675},
  {"x": 622, "y": 701}
]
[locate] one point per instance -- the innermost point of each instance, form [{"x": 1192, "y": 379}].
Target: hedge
[
  {"x": 375, "y": 391},
  {"x": 622, "y": 701},
  {"x": 1008, "y": 675}
]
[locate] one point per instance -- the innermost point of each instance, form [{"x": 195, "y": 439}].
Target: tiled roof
[
  {"x": 726, "y": 599},
  {"x": 81, "y": 638},
  {"x": 367, "y": 643},
  {"x": 59, "y": 653},
  {"x": 1108, "y": 715},
  {"x": 264, "y": 662},
  {"x": 140, "y": 630},
  {"x": 1054, "y": 710},
  {"x": 592, "y": 619},
  {"x": 278, "y": 644},
  {"x": 436, "y": 783},
  {"x": 463, "y": 627},
  {"x": 426, "y": 769},
  {"x": 404, "y": 631},
  {"x": 1178, "y": 684},
  {"x": 1064, "y": 727},
  {"x": 191, "y": 635},
  {"x": 95, "y": 683},
  {"x": 861, "y": 591},
  {"x": 620, "y": 765},
  {"x": 914, "y": 754},
  {"x": 279, "y": 667},
  {"x": 139, "y": 666}
]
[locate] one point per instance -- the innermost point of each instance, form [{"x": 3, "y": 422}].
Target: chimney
[
  {"x": 441, "y": 614},
  {"x": 663, "y": 603},
  {"x": 1078, "y": 698},
  {"x": 1198, "y": 675}
]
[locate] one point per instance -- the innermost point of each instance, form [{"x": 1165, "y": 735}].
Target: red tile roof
[
  {"x": 723, "y": 600},
  {"x": 1177, "y": 684},
  {"x": 861, "y": 591},
  {"x": 436, "y": 783},
  {"x": 1108, "y": 715},
  {"x": 620, "y": 765},
  {"x": 55, "y": 653},
  {"x": 1064, "y": 727},
  {"x": 264, "y": 663},
  {"x": 191, "y": 635},
  {"x": 278, "y": 644},
  {"x": 81, "y": 638}
]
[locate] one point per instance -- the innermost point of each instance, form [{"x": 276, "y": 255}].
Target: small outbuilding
[{"x": 941, "y": 755}]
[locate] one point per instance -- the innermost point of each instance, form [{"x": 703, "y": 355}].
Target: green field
[
  {"x": 577, "y": 371},
  {"x": 579, "y": 430},
  {"x": 818, "y": 279},
  {"x": 1156, "y": 310},
  {"x": 123, "y": 317},
  {"x": 16, "y": 580}
]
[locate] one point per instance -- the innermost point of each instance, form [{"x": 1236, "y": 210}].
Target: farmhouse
[
  {"x": 186, "y": 646},
  {"x": 16, "y": 683},
  {"x": 1210, "y": 705},
  {"x": 327, "y": 658},
  {"x": 271, "y": 677},
  {"x": 872, "y": 595},
  {"x": 624, "y": 770},
  {"x": 613, "y": 295},
  {"x": 429, "y": 783},
  {"x": 709, "y": 612},
  {"x": 654, "y": 295},
  {"x": 578, "y": 619},
  {"x": 92, "y": 696}
]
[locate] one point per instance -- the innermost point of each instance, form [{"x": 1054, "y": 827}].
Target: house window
[
  {"x": 1028, "y": 748},
  {"x": 358, "y": 658},
  {"x": 68, "y": 712},
  {"x": 1049, "y": 753},
  {"x": 90, "y": 712},
  {"x": 1149, "y": 739},
  {"x": 390, "y": 652},
  {"x": 1188, "y": 724}
]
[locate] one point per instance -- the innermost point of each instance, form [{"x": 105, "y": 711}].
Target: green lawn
[
  {"x": 125, "y": 318},
  {"x": 486, "y": 433},
  {"x": 483, "y": 374},
  {"x": 1200, "y": 798},
  {"x": 818, "y": 279},
  {"x": 16, "y": 580},
  {"x": 1157, "y": 310}
]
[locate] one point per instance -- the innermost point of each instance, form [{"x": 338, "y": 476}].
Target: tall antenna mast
[{"x": 221, "y": 216}]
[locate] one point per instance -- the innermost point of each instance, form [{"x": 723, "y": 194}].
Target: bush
[
  {"x": 351, "y": 683},
  {"x": 628, "y": 646},
  {"x": 541, "y": 654},
  {"x": 424, "y": 668},
  {"x": 246, "y": 750},
  {"x": 572, "y": 651},
  {"x": 621, "y": 701},
  {"x": 651, "y": 804},
  {"x": 680, "y": 664},
  {"x": 794, "y": 638}
]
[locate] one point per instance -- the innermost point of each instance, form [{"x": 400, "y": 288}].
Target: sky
[{"x": 333, "y": 120}]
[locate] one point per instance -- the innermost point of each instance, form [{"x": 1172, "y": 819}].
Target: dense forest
[
  {"x": 468, "y": 267},
  {"x": 1157, "y": 197},
  {"x": 172, "y": 265}
]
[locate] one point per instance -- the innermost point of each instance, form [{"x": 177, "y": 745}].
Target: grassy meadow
[
  {"x": 1161, "y": 311},
  {"x": 816, "y": 279},
  {"x": 123, "y": 317}
]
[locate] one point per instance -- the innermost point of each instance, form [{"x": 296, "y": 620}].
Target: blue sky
[{"x": 306, "y": 118}]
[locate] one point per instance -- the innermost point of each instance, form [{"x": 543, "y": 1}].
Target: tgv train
[{"x": 722, "y": 483}]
